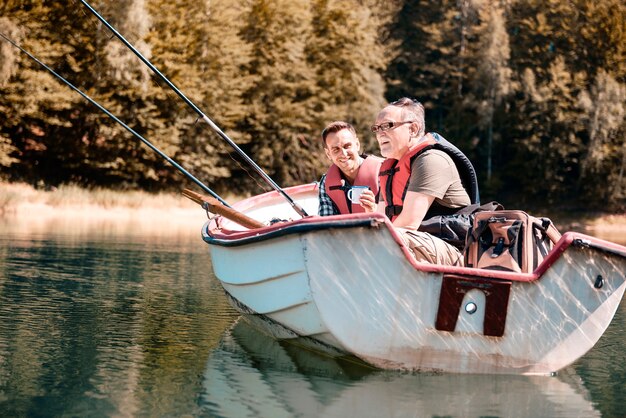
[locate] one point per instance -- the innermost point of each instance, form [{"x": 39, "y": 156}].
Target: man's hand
[{"x": 368, "y": 201}]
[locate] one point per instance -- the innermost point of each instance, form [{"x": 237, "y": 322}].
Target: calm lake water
[{"x": 103, "y": 323}]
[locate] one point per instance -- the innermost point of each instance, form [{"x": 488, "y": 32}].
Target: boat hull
[
  {"x": 394, "y": 316},
  {"x": 267, "y": 279},
  {"x": 348, "y": 285}
]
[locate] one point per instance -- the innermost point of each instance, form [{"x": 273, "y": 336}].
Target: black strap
[
  {"x": 391, "y": 171},
  {"x": 498, "y": 248},
  {"x": 344, "y": 188},
  {"x": 391, "y": 209}
]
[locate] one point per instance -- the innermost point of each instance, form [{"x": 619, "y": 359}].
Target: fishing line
[
  {"x": 98, "y": 28},
  {"x": 204, "y": 117},
  {"x": 116, "y": 119},
  {"x": 243, "y": 168},
  {"x": 158, "y": 82}
]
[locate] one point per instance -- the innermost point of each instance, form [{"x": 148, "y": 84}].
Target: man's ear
[
  {"x": 327, "y": 154},
  {"x": 358, "y": 146}
]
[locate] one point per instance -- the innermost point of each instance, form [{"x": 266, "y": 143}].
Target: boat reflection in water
[{"x": 252, "y": 374}]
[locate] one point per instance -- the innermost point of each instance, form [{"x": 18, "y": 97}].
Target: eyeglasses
[{"x": 387, "y": 126}]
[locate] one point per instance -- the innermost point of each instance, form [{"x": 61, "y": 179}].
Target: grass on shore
[{"x": 13, "y": 195}]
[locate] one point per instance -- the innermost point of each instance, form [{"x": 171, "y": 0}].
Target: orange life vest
[
  {"x": 367, "y": 176},
  {"x": 394, "y": 177}
]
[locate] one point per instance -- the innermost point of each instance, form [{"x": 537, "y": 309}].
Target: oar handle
[{"x": 213, "y": 205}]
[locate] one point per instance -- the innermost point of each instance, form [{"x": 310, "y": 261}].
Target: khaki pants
[{"x": 430, "y": 249}]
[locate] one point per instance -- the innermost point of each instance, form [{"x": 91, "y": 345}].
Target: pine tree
[
  {"x": 491, "y": 82},
  {"x": 38, "y": 114},
  {"x": 603, "y": 53},
  {"x": 434, "y": 61},
  {"x": 348, "y": 58},
  {"x": 8, "y": 68},
  {"x": 279, "y": 118},
  {"x": 123, "y": 85},
  {"x": 549, "y": 131}
]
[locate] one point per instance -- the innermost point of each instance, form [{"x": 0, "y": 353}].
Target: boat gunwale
[
  {"x": 316, "y": 223},
  {"x": 213, "y": 234}
]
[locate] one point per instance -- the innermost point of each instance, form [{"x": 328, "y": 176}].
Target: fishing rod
[
  {"x": 204, "y": 117},
  {"x": 116, "y": 119}
]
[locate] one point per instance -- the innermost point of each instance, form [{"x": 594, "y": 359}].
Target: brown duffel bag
[{"x": 509, "y": 240}]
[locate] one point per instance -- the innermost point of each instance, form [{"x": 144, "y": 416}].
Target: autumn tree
[
  {"x": 348, "y": 58},
  {"x": 280, "y": 116},
  {"x": 35, "y": 109},
  {"x": 191, "y": 46}
]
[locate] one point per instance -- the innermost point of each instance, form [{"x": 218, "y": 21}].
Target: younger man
[{"x": 349, "y": 168}]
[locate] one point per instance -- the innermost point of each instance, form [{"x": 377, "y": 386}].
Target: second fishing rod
[
  {"x": 119, "y": 121},
  {"x": 195, "y": 108}
]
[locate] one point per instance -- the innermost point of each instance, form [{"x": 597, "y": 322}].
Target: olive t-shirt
[{"x": 433, "y": 173}]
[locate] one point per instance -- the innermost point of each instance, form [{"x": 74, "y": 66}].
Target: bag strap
[
  {"x": 547, "y": 229},
  {"x": 480, "y": 228},
  {"x": 475, "y": 207}
]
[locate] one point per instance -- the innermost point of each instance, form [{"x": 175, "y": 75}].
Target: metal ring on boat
[
  {"x": 471, "y": 308},
  {"x": 599, "y": 282}
]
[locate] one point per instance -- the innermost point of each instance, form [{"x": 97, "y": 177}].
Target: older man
[
  {"x": 419, "y": 179},
  {"x": 349, "y": 168}
]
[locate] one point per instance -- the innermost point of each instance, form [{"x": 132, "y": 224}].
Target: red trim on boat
[{"x": 215, "y": 229}]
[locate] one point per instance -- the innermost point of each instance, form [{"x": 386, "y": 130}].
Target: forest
[{"x": 533, "y": 91}]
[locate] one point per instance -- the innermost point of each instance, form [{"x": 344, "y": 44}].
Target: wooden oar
[{"x": 213, "y": 205}]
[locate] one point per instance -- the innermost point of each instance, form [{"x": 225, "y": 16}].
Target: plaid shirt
[{"x": 327, "y": 206}]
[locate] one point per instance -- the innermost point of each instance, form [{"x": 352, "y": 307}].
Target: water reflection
[
  {"x": 106, "y": 327},
  {"x": 604, "y": 368},
  {"x": 249, "y": 367},
  {"x": 81, "y": 225},
  {"x": 100, "y": 321}
]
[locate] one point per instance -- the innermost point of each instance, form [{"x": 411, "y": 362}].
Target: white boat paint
[
  {"x": 348, "y": 284},
  {"x": 386, "y": 313}
]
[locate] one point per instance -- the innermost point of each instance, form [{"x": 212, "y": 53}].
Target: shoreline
[
  {"x": 69, "y": 205},
  {"x": 74, "y": 211},
  {"x": 37, "y": 219}
]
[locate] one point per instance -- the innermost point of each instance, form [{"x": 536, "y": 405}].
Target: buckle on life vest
[{"x": 389, "y": 172}]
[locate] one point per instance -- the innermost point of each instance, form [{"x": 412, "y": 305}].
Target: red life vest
[
  {"x": 367, "y": 176},
  {"x": 395, "y": 175}
]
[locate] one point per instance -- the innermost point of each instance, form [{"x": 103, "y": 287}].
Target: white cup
[{"x": 354, "y": 194}]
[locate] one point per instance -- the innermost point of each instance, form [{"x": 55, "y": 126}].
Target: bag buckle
[{"x": 498, "y": 248}]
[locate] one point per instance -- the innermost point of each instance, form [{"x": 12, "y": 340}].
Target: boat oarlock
[
  {"x": 203, "y": 116},
  {"x": 119, "y": 121}
]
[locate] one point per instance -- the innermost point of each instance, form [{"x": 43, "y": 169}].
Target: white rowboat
[{"x": 347, "y": 285}]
